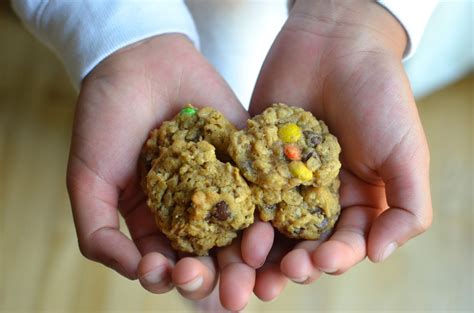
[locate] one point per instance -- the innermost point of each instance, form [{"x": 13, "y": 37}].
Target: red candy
[{"x": 292, "y": 152}]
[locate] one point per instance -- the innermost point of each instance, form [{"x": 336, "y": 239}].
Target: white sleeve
[
  {"x": 85, "y": 32},
  {"x": 414, "y": 16}
]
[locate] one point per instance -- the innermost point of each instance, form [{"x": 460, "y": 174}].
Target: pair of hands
[{"x": 338, "y": 60}]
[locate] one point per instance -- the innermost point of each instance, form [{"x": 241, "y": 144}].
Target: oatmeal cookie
[
  {"x": 199, "y": 202},
  {"x": 292, "y": 161},
  {"x": 304, "y": 212},
  {"x": 192, "y": 125},
  {"x": 285, "y": 147}
]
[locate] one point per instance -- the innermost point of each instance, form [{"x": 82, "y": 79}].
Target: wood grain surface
[{"x": 41, "y": 268}]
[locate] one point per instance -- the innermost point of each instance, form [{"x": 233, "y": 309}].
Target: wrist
[
  {"x": 170, "y": 39},
  {"x": 364, "y": 25},
  {"x": 153, "y": 55}
]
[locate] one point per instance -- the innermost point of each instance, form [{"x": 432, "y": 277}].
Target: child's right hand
[{"x": 121, "y": 100}]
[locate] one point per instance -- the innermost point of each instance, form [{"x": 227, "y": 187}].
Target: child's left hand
[{"x": 342, "y": 61}]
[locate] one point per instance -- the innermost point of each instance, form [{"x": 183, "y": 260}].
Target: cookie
[
  {"x": 292, "y": 161},
  {"x": 199, "y": 202},
  {"x": 304, "y": 212},
  {"x": 285, "y": 147},
  {"x": 190, "y": 125}
]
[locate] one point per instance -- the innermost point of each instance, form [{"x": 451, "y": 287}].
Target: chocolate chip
[
  {"x": 298, "y": 231},
  {"x": 312, "y": 138},
  {"x": 323, "y": 223},
  {"x": 270, "y": 207},
  {"x": 309, "y": 154},
  {"x": 193, "y": 136},
  {"x": 299, "y": 189},
  {"x": 315, "y": 210},
  {"x": 221, "y": 211}
]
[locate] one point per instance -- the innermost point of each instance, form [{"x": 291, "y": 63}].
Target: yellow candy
[
  {"x": 289, "y": 133},
  {"x": 299, "y": 170}
]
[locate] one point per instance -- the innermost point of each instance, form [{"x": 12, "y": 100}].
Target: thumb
[{"x": 406, "y": 177}]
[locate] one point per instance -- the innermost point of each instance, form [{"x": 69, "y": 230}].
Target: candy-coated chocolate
[
  {"x": 299, "y": 170},
  {"x": 289, "y": 133},
  {"x": 189, "y": 111},
  {"x": 292, "y": 152}
]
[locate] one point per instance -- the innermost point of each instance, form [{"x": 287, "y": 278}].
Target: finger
[
  {"x": 406, "y": 179},
  {"x": 237, "y": 278},
  {"x": 155, "y": 242},
  {"x": 347, "y": 246},
  {"x": 144, "y": 232},
  {"x": 154, "y": 273},
  {"x": 195, "y": 277},
  {"x": 270, "y": 282},
  {"x": 356, "y": 192},
  {"x": 257, "y": 240},
  {"x": 94, "y": 206},
  {"x": 282, "y": 245},
  {"x": 155, "y": 268},
  {"x": 297, "y": 264},
  {"x": 210, "y": 304}
]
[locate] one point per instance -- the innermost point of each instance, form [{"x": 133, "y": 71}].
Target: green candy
[{"x": 188, "y": 111}]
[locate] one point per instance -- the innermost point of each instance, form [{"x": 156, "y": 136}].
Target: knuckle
[
  {"x": 425, "y": 222},
  {"x": 86, "y": 249}
]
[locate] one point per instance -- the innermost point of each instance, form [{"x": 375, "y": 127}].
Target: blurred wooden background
[{"x": 41, "y": 268}]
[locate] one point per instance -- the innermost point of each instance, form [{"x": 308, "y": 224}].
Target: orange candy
[{"x": 292, "y": 152}]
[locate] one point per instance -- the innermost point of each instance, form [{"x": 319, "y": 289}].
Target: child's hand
[
  {"x": 126, "y": 96},
  {"x": 341, "y": 60}
]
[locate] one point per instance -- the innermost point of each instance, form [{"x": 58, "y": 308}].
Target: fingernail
[
  {"x": 389, "y": 249},
  {"x": 300, "y": 280},
  {"x": 155, "y": 276},
  {"x": 241, "y": 309},
  {"x": 328, "y": 270},
  {"x": 259, "y": 265},
  {"x": 193, "y": 285}
]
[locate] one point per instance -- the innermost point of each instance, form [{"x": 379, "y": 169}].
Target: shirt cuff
[
  {"x": 413, "y": 16},
  {"x": 83, "y": 33}
]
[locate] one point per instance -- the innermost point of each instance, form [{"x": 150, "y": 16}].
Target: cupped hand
[
  {"x": 342, "y": 61},
  {"x": 121, "y": 100}
]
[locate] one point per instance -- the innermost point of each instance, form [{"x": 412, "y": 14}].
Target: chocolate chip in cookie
[
  {"x": 298, "y": 231},
  {"x": 308, "y": 154},
  {"x": 323, "y": 223},
  {"x": 270, "y": 208},
  {"x": 312, "y": 138},
  {"x": 221, "y": 211},
  {"x": 315, "y": 210}
]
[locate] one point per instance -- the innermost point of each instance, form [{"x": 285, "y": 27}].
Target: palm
[
  {"x": 362, "y": 93},
  {"x": 112, "y": 120}
]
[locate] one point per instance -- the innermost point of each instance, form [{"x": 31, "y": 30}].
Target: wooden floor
[{"x": 41, "y": 268}]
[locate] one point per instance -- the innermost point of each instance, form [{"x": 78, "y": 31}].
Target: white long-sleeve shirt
[{"x": 85, "y": 32}]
